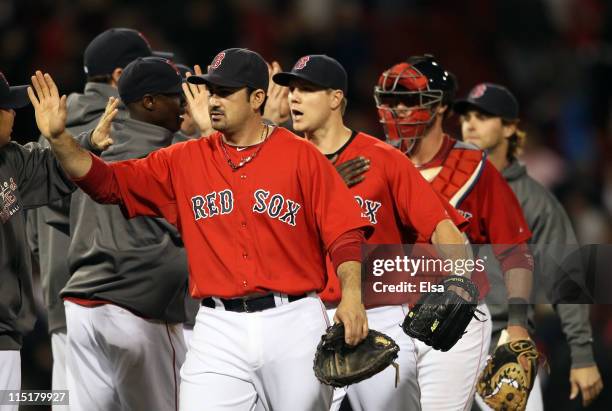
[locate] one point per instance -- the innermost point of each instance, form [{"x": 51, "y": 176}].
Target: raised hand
[
  {"x": 277, "y": 104},
  {"x": 100, "y": 138},
  {"x": 197, "y": 101},
  {"x": 49, "y": 107}
]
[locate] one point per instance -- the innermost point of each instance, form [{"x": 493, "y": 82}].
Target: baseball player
[
  {"x": 29, "y": 177},
  {"x": 412, "y": 99},
  {"x": 48, "y": 227},
  {"x": 125, "y": 299},
  {"x": 258, "y": 209},
  {"x": 489, "y": 118},
  {"x": 397, "y": 201}
]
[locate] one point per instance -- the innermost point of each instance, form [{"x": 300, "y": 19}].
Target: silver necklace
[{"x": 247, "y": 159}]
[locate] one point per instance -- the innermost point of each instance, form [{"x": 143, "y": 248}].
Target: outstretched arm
[{"x": 50, "y": 113}]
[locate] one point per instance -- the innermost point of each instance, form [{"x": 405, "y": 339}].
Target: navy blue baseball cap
[
  {"x": 490, "y": 98},
  {"x": 12, "y": 97},
  {"x": 318, "y": 69},
  {"x": 149, "y": 75},
  {"x": 235, "y": 68},
  {"x": 117, "y": 47},
  {"x": 184, "y": 69}
]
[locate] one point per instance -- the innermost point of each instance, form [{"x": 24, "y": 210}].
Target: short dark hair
[{"x": 251, "y": 90}]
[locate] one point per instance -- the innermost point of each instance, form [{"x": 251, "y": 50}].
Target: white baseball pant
[
  {"x": 187, "y": 334},
  {"x": 119, "y": 361},
  {"x": 237, "y": 359},
  {"x": 379, "y": 392},
  {"x": 459, "y": 367},
  {"x": 10, "y": 376},
  {"x": 58, "y": 376}
]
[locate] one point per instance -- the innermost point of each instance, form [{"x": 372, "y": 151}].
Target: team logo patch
[
  {"x": 217, "y": 61},
  {"x": 478, "y": 91},
  {"x": 301, "y": 63},
  {"x": 8, "y": 200}
]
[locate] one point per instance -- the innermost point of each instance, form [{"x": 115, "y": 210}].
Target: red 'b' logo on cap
[
  {"x": 478, "y": 91},
  {"x": 301, "y": 63},
  {"x": 217, "y": 61}
]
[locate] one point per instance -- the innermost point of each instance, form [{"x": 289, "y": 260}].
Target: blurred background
[{"x": 555, "y": 55}]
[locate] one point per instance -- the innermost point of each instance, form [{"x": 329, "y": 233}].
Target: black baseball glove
[
  {"x": 338, "y": 364},
  {"x": 439, "y": 319}
]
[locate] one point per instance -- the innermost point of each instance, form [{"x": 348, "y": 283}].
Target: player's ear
[
  {"x": 257, "y": 98},
  {"x": 336, "y": 99},
  {"x": 148, "y": 102},
  {"x": 115, "y": 76},
  {"x": 509, "y": 128}
]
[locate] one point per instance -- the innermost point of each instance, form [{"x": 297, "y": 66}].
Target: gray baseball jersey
[
  {"x": 30, "y": 177},
  {"x": 48, "y": 227},
  {"x": 549, "y": 224},
  {"x": 138, "y": 264}
]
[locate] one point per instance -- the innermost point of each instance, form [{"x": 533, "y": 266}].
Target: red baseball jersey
[
  {"x": 491, "y": 208},
  {"x": 265, "y": 226},
  {"x": 394, "y": 198}
]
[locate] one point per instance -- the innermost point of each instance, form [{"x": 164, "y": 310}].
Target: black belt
[{"x": 249, "y": 305}]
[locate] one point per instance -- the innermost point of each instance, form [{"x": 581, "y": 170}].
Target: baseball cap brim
[
  {"x": 462, "y": 106},
  {"x": 285, "y": 77},
  {"x": 163, "y": 54},
  {"x": 212, "y": 78},
  {"x": 17, "y": 98}
]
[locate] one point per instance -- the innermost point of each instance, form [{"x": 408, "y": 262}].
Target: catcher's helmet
[{"x": 407, "y": 96}]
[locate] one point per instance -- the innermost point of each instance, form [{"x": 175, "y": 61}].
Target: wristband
[{"x": 517, "y": 311}]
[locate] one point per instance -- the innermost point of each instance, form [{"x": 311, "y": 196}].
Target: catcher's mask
[{"x": 407, "y": 98}]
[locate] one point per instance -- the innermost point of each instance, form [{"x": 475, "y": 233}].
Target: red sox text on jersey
[{"x": 222, "y": 202}]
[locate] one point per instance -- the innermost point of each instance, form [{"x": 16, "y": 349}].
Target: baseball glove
[
  {"x": 338, "y": 364},
  {"x": 508, "y": 377},
  {"x": 439, "y": 319}
]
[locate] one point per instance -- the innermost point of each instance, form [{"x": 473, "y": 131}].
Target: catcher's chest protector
[{"x": 459, "y": 174}]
